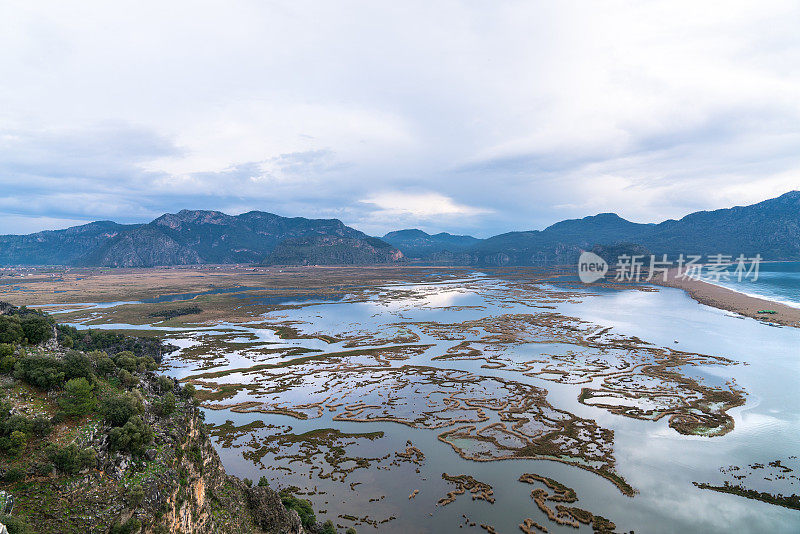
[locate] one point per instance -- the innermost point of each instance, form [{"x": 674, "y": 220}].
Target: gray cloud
[{"x": 480, "y": 118}]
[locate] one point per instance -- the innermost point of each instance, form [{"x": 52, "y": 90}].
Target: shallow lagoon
[{"x": 654, "y": 458}]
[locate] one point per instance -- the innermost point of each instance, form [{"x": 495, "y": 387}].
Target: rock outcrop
[{"x": 97, "y": 442}]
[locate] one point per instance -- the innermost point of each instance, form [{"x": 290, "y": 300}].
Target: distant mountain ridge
[
  {"x": 770, "y": 228},
  {"x": 58, "y": 247},
  {"x": 415, "y": 243},
  {"x": 333, "y": 250},
  {"x": 190, "y": 237}
]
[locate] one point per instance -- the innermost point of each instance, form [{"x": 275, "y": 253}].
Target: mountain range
[
  {"x": 770, "y": 228},
  {"x": 196, "y": 237}
]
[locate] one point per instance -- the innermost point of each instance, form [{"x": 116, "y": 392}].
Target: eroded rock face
[
  {"x": 209, "y": 490},
  {"x": 159, "y": 472},
  {"x": 269, "y": 513},
  {"x": 186, "y": 489}
]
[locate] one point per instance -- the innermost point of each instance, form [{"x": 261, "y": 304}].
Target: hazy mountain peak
[
  {"x": 792, "y": 195},
  {"x": 415, "y": 243},
  {"x": 409, "y": 233},
  {"x": 175, "y": 220},
  {"x": 611, "y": 220}
]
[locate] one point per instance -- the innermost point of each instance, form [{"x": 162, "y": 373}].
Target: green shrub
[
  {"x": 78, "y": 397},
  {"x": 66, "y": 341},
  {"x": 189, "y": 391},
  {"x": 350, "y": 530},
  {"x": 165, "y": 405},
  {"x": 130, "y": 362},
  {"x": 183, "y": 476},
  {"x": 43, "y": 468},
  {"x": 128, "y": 379},
  {"x": 88, "y": 457},
  {"x": 15, "y": 524},
  {"x": 136, "y": 494},
  {"x": 16, "y": 429},
  {"x": 76, "y": 365},
  {"x": 70, "y": 459},
  {"x": 128, "y": 527},
  {"x": 134, "y": 436},
  {"x": 37, "y": 328},
  {"x": 7, "y": 358},
  {"x": 110, "y": 342},
  {"x": 126, "y": 360},
  {"x": 118, "y": 410},
  {"x": 7, "y": 363},
  {"x": 45, "y": 372},
  {"x": 263, "y": 482},
  {"x": 301, "y": 506},
  {"x": 14, "y": 474},
  {"x": 195, "y": 455},
  {"x": 165, "y": 383},
  {"x": 41, "y": 426},
  {"x": 247, "y": 482},
  {"x": 104, "y": 366},
  {"x": 11, "y": 330},
  {"x": 57, "y": 419},
  {"x": 328, "y": 528},
  {"x": 14, "y": 444},
  {"x": 10, "y": 423},
  {"x": 14, "y": 432}
]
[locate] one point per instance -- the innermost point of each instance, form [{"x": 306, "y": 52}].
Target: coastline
[{"x": 734, "y": 301}]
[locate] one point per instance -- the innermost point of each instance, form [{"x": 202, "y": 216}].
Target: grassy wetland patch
[{"x": 770, "y": 482}]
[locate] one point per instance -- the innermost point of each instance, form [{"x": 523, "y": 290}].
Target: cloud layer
[{"x": 459, "y": 116}]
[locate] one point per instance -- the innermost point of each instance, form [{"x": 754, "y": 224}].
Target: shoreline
[{"x": 734, "y": 301}]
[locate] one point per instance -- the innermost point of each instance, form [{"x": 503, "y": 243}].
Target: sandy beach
[{"x": 733, "y": 301}]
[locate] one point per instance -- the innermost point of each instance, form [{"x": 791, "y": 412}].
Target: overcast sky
[{"x": 470, "y": 117}]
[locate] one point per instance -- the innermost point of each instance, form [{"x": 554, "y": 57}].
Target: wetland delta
[{"x": 452, "y": 400}]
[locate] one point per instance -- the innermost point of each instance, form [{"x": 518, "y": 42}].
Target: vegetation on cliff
[
  {"x": 95, "y": 441},
  {"x": 333, "y": 250}
]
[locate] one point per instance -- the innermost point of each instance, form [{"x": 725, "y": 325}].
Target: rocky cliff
[{"x": 95, "y": 441}]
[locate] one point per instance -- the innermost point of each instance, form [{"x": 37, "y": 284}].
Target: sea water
[{"x": 776, "y": 281}]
